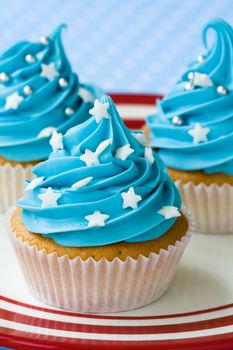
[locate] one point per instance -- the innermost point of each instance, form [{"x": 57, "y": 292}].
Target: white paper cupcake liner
[
  {"x": 211, "y": 206},
  {"x": 12, "y": 183},
  {"x": 103, "y": 286}
]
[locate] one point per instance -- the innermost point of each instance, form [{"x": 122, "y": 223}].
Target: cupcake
[
  {"x": 100, "y": 228},
  {"x": 193, "y": 132},
  {"x": 39, "y": 93}
]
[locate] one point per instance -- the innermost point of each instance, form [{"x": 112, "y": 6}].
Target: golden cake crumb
[
  {"x": 146, "y": 131},
  {"x": 121, "y": 250},
  {"x": 196, "y": 176},
  {"x": 199, "y": 176},
  {"x": 4, "y": 161}
]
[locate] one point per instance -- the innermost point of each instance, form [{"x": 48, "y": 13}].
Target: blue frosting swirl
[
  {"x": 203, "y": 105},
  {"x": 20, "y": 129},
  {"x": 66, "y": 222}
]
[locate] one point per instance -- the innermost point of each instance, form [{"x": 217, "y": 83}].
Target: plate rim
[{"x": 19, "y": 339}]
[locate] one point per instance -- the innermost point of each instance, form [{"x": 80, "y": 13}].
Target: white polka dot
[{"x": 116, "y": 45}]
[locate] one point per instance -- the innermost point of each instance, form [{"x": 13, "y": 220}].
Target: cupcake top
[
  {"x": 100, "y": 185},
  {"x": 193, "y": 127},
  {"x": 38, "y": 94}
]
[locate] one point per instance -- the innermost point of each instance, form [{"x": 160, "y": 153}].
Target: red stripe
[
  {"x": 67, "y": 313},
  {"x": 107, "y": 329},
  {"x": 134, "y": 124},
  {"x": 24, "y": 340},
  {"x": 135, "y": 98}
]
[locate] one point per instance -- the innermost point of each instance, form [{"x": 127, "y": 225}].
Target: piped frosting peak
[
  {"x": 101, "y": 186},
  {"x": 193, "y": 127},
  {"x": 39, "y": 93}
]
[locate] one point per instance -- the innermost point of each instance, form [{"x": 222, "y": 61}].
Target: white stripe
[
  {"x": 118, "y": 337},
  {"x": 135, "y": 111},
  {"x": 115, "y": 322}
]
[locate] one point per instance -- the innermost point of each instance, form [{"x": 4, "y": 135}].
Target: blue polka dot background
[{"x": 124, "y": 46}]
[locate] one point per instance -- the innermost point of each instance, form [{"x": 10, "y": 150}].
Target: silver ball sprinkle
[
  {"x": 191, "y": 76},
  {"x": 69, "y": 111},
  {"x": 63, "y": 82},
  {"x": 177, "y": 120},
  {"x": 221, "y": 90},
  {"x": 27, "y": 90},
  {"x": 189, "y": 86},
  {"x": 30, "y": 58},
  {"x": 44, "y": 40},
  {"x": 200, "y": 58},
  {"x": 4, "y": 77}
]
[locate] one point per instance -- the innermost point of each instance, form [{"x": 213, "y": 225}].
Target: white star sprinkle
[
  {"x": 85, "y": 94},
  {"x": 149, "y": 155},
  {"x": 102, "y": 146},
  {"x": 130, "y": 199},
  {"x": 34, "y": 183},
  {"x": 100, "y": 111},
  {"x": 49, "y": 198},
  {"x": 13, "y": 101},
  {"x": 140, "y": 137},
  {"x": 169, "y": 211},
  {"x": 96, "y": 219},
  {"x": 90, "y": 157},
  {"x": 46, "y": 132},
  {"x": 199, "y": 134},
  {"x": 49, "y": 71},
  {"x": 56, "y": 141},
  {"x": 124, "y": 152},
  {"x": 199, "y": 79},
  {"x": 81, "y": 183}
]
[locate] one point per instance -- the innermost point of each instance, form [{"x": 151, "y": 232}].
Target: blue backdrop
[{"x": 137, "y": 46}]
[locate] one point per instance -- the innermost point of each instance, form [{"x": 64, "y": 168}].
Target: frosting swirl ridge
[
  {"x": 39, "y": 92},
  {"x": 100, "y": 186},
  {"x": 193, "y": 127}
]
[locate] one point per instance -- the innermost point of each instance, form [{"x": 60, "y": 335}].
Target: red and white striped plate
[{"x": 195, "y": 313}]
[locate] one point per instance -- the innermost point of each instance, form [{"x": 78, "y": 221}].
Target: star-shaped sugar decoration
[
  {"x": 96, "y": 219},
  {"x": 169, "y": 211},
  {"x": 90, "y": 157},
  {"x": 13, "y": 101},
  {"x": 140, "y": 137},
  {"x": 100, "y": 111},
  {"x": 46, "y": 132},
  {"x": 130, "y": 199},
  {"x": 102, "y": 146},
  {"x": 49, "y": 71},
  {"x": 149, "y": 155},
  {"x": 56, "y": 141},
  {"x": 124, "y": 152},
  {"x": 34, "y": 183},
  {"x": 199, "y": 133},
  {"x": 49, "y": 198},
  {"x": 85, "y": 94},
  {"x": 200, "y": 79},
  {"x": 81, "y": 183}
]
